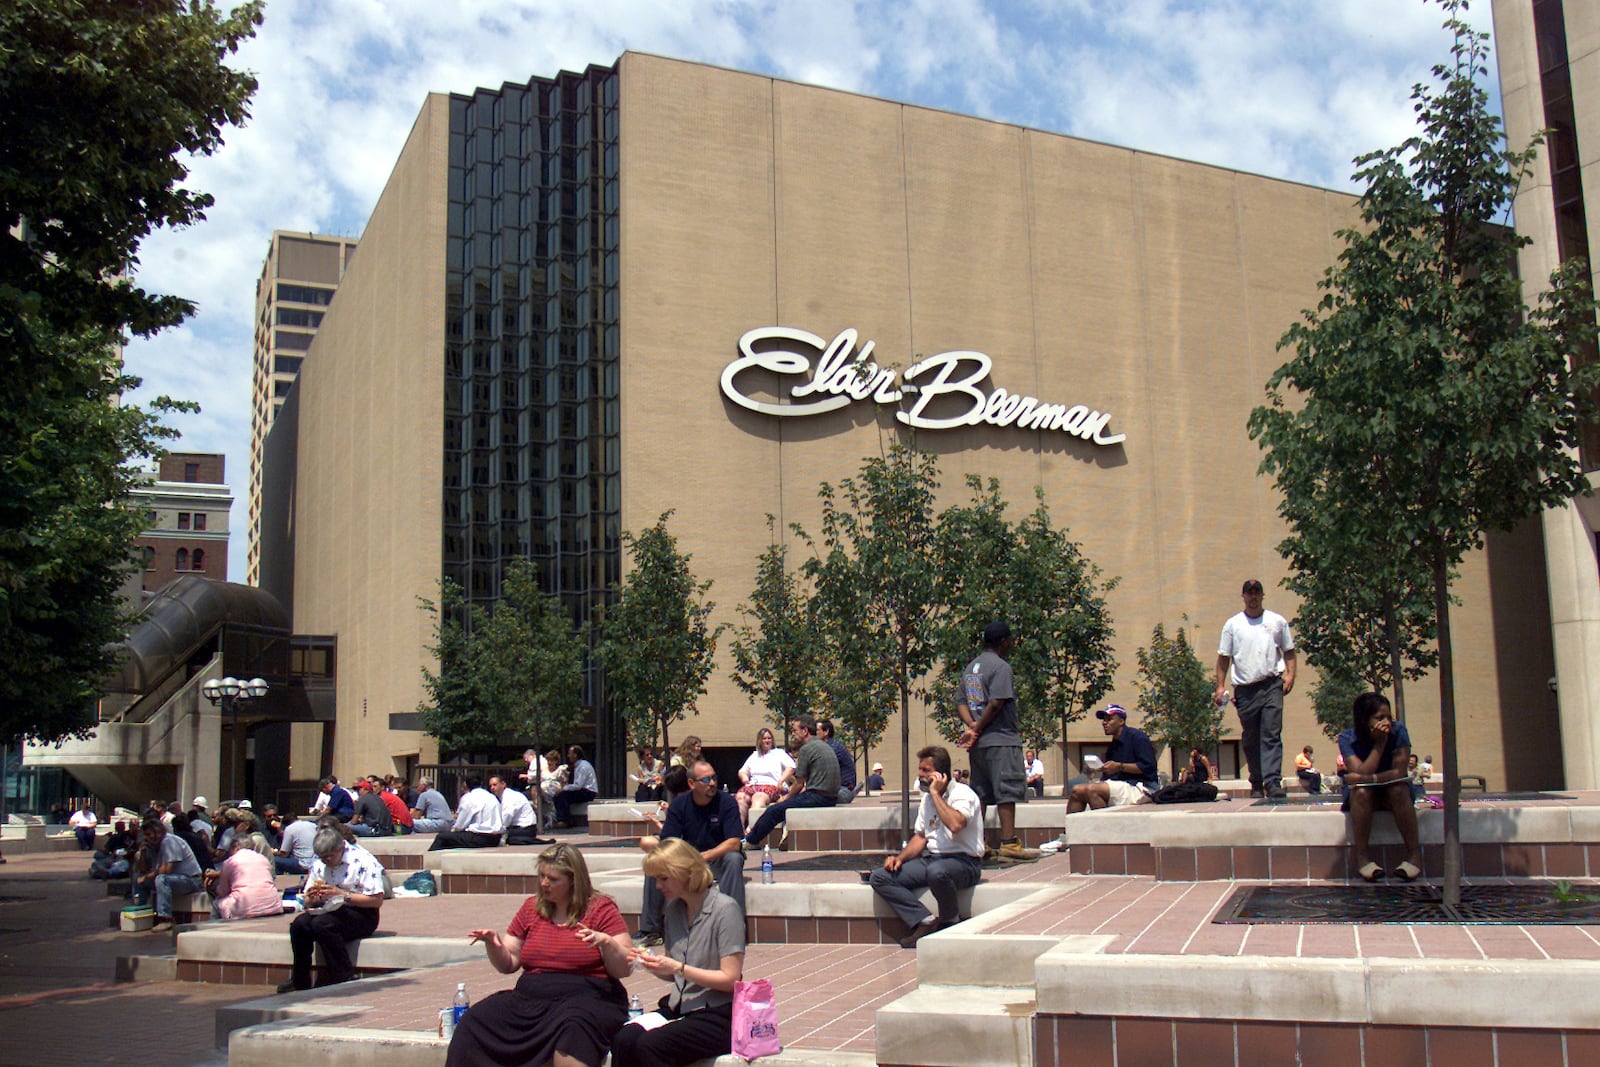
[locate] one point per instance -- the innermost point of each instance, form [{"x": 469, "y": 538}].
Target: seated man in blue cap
[{"x": 1128, "y": 775}]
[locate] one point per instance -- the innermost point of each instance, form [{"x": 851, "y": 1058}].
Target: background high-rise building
[{"x": 297, "y": 283}]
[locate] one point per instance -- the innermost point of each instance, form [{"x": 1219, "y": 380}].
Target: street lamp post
[{"x": 229, "y": 693}]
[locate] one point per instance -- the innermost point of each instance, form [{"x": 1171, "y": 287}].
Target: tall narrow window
[
  {"x": 183, "y": 559},
  {"x": 199, "y": 561}
]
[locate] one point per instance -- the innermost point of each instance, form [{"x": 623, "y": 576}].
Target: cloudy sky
[{"x": 1288, "y": 88}]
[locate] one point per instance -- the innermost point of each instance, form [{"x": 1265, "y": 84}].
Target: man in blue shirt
[
  {"x": 340, "y": 802},
  {"x": 847, "y": 762},
  {"x": 707, "y": 818},
  {"x": 1128, "y": 775}
]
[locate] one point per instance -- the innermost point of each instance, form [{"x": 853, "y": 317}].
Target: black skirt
[{"x": 544, "y": 1014}]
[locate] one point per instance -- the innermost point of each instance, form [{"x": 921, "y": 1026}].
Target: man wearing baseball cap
[
  {"x": 1128, "y": 775},
  {"x": 1257, "y": 656}
]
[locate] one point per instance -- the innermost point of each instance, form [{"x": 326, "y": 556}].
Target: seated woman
[
  {"x": 1375, "y": 751},
  {"x": 650, "y": 770},
  {"x": 686, "y": 753},
  {"x": 243, "y": 886},
  {"x": 704, "y": 958},
  {"x": 1199, "y": 769},
  {"x": 762, "y": 777},
  {"x": 573, "y": 947}
]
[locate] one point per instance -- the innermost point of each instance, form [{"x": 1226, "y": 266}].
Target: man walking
[
  {"x": 1257, "y": 657},
  {"x": 988, "y": 706},
  {"x": 944, "y": 855}
]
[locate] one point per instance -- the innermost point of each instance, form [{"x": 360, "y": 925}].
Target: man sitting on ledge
[
  {"x": 945, "y": 853},
  {"x": 342, "y": 893},
  {"x": 1128, "y": 775},
  {"x": 815, "y": 783},
  {"x": 479, "y": 820}
]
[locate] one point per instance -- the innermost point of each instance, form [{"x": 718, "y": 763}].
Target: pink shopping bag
[{"x": 755, "y": 1020}]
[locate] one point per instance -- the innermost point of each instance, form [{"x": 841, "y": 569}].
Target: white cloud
[{"x": 1282, "y": 87}]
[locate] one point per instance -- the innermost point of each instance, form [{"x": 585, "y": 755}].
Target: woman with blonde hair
[
  {"x": 572, "y": 946},
  {"x": 762, "y": 776},
  {"x": 703, "y": 959}
]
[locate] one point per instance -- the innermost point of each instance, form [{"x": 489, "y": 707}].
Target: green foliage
[
  {"x": 777, "y": 654},
  {"x": 99, "y": 104},
  {"x": 656, "y": 645},
  {"x": 1175, "y": 693},
  {"x": 1036, "y": 578},
  {"x": 875, "y": 582},
  {"x": 1425, "y": 403},
  {"x": 511, "y": 672},
  {"x": 1333, "y": 699}
]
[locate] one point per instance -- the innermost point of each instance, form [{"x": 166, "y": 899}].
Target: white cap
[
  {"x": 245, "y": 804},
  {"x": 199, "y": 802}
]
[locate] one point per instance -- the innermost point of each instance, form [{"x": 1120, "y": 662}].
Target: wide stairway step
[{"x": 959, "y": 1026}]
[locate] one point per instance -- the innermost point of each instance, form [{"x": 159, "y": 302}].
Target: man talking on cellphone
[{"x": 944, "y": 855}]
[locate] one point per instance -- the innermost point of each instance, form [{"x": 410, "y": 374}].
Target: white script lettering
[{"x": 951, "y": 382}]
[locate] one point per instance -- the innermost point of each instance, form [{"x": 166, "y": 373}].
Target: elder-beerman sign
[{"x": 948, "y": 382}]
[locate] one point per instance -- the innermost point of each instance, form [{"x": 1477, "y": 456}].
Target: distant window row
[
  {"x": 296, "y": 317},
  {"x": 304, "y": 294},
  {"x": 191, "y": 520},
  {"x": 294, "y": 342},
  {"x": 286, "y": 364},
  {"x": 185, "y": 560}
]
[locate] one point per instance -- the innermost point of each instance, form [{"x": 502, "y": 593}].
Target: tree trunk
[
  {"x": 1391, "y": 630},
  {"x": 1447, "y": 736},
  {"x": 905, "y": 749}
]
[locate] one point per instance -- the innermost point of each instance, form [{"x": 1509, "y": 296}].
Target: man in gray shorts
[{"x": 988, "y": 707}]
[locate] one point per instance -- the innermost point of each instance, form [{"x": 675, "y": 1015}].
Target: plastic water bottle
[
  {"x": 766, "y": 865},
  {"x": 459, "y": 1003},
  {"x": 635, "y": 1007}
]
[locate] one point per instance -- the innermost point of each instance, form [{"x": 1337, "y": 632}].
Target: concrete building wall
[
  {"x": 366, "y": 512},
  {"x": 1148, "y": 287}
]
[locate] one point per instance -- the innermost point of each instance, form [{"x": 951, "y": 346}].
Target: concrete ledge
[
  {"x": 147, "y": 969},
  {"x": 1473, "y": 994},
  {"x": 958, "y": 1026},
  {"x": 273, "y": 1044},
  {"x": 382, "y": 951}
]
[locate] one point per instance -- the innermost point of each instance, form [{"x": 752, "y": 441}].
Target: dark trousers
[
  {"x": 1311, "y": 780},
  {"x": 331, "y": 931},
  {"x": 568, "y": 797},
  {"x": 525, "y": 835},
  {"x": 463, "y": 839},
  {"x": 773, "y": 814},
  {"x": 699, "y": 1035},
  {"x": 729, "y": 872},
  {"x": 85, "y": 838},
  {"x": 1261, "y": 732}
]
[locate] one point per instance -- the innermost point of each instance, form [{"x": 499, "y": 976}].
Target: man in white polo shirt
[
  {"x": 944, "y": 855},
  {"x": 1257, "y": 657}
]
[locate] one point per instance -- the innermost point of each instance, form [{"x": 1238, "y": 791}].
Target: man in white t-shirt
[
  {"x": 944, "y": 855},
  {"x": 479, "y": 819},
  {"x": 1257, "y": 656},
  {"x": 83, "y": 823}
]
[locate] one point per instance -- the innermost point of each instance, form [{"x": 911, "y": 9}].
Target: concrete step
[{"x": 958, "y": 1026}]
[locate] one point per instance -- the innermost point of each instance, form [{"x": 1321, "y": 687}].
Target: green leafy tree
[
  {"x": 100, "y": 105},
  {"x": 875, "y": 578},
  {"x": 1175, "y": 693},
  {"x": 777, "y": 651},
  {"x": 1036, "y": 578},
  {"x": 656, "y": 644},
  {"x": 1433, "y": 404},
  {"x": 1333, "y": 700},
  {"x": 511, "y": 671}
]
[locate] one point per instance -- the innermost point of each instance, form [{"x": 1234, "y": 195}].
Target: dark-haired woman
[
  {"x": 572, "y": 946},
  {"x": 1376, "y": 750}
]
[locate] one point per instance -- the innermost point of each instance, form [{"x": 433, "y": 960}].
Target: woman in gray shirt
[{"x": 704, "y": 958}]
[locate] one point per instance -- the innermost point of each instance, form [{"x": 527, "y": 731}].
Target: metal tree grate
[{"x": 1532, "y": 904}]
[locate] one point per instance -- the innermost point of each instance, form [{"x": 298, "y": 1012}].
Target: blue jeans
[
  {"x": 287, "y": 865},
  {"x": 773, "y": 814},
  {"x": 167, "y": 885}
]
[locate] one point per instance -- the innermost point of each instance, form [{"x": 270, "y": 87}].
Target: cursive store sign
[{"x": 940, "y": 392}]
